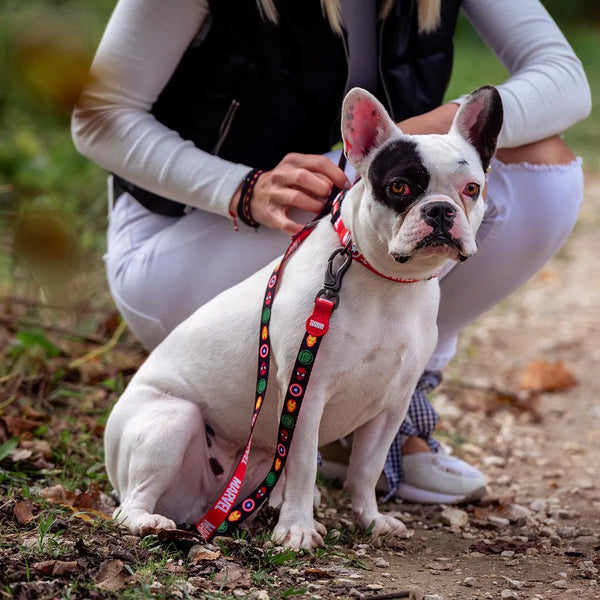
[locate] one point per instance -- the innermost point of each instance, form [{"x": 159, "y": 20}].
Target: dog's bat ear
[
  {"x": 479, "y": 121},
  {"x": 365, "y": 126}
]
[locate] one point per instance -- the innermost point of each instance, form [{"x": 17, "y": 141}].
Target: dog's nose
[{"x": 439, "y": 215}]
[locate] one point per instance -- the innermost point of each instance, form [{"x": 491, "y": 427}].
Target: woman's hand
[
  {"x": 437, "y": 120},
  {"x": 302, "y": 181}
]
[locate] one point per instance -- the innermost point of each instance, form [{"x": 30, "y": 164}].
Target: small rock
[
  {"x": 156, "y": 587},
  {"x": 509, "y": 595},
  {"x": 469, "y": 447},
  {"x": 507, "y": 553},
  {"x": 585, "y": 541},
  {"x": 493, "y": 461},
  {"x": 566, "y": 532},
  {"x": 433, "y": 597},
  {"x": 355, "y": 593},
  {"x": 587, "y": 569},
  {"x": 500, "y": 521},
  {"x": 517, "y": 512},
  {"x": 585, "y": 484},
  {"x": 555, "y": 540},
  {"x": 514, "y": 584},
  {"x": 546, "y": 532},
  {"x": 258, "y": 595},
  {"x": 455, "y": 517},
  {"x": 469, "y": 581},
  {"x": 562, "y": 513},
  {"x": 374, "y": 587},
  {"x": 380, "y": 562},
  {"x": 346, "y": 583},
  {"x": 539, "y": 505},
  {"x": 560, "y": 584}
]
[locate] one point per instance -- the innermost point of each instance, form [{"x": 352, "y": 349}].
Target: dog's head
[{"x": 423, "y": 194}]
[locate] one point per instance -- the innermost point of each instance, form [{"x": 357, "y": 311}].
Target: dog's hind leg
[{"x": 158, "y": 461}]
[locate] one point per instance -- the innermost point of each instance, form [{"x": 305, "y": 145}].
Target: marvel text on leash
[{"x": 179, "y": 429}]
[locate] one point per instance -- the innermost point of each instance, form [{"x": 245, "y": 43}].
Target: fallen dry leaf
[
  {"x": 232, "y": 577},
  {"x": 55, "y": 568},
  {"x": 88, "y": 499},
  {"x": 16, "y": 426},
  {"x": 41, "y": 447},
  {"x": 23, "y": 512},
  {"x": 86, "y": 506},
  {"x": 58, "y": 494},
  {"x": 110, "y": 576},
  {"x": 63, "y": 567},
  {"x": 44, "y": 567},
  {"x": 542, "y": 375},
  {"x": 207, "y": 555}
]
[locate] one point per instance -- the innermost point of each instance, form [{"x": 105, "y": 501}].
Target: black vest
[{"x": 251, "y": 91}]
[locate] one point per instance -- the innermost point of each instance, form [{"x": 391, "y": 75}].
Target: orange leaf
[
  {"x": 544, "y": 376},
  {"x": 23, "y": 512}
]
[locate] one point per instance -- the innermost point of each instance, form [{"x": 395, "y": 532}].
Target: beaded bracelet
[{"x": 243, "y": 209}]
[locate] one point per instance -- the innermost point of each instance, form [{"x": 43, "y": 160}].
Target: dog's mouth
[{"x": 435, "y": 240}]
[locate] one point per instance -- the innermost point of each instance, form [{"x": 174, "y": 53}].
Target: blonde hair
[{"x": 429, "y": 13}]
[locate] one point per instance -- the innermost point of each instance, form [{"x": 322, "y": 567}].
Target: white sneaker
[
  {"x": 439, "y": 479},
  {"x": 428, "y": 478}
]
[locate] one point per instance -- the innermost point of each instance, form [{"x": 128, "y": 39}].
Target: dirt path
[{"x": 544, "y": 472}]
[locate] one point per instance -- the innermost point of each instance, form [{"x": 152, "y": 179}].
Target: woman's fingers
[
  {"x": 319, "y": 165},
  {"x": 300, "y": 181}
]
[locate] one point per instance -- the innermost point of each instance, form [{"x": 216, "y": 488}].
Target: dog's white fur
[{"x": 381, "y": 336}]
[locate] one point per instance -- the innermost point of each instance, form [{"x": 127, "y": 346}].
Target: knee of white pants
[
  {"x": 161, "y": 269},
  {"x": 533, "y": 210}
]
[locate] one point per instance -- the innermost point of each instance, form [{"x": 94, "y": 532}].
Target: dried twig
[{"x": 114, "y": 340}]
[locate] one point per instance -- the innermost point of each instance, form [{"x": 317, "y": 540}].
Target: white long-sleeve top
[{"x": 547, "y": 92}]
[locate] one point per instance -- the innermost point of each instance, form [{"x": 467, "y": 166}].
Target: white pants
[{"x": 161, "y": 269}]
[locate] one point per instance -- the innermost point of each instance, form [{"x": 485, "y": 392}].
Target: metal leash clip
[{"x": 332, "y": 281}]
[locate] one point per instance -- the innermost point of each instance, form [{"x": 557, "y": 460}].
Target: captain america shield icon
[
  {"x": 281, "y": 450},
  {"x": 248, "y": 505},
  {"x": 296, "y": 390},
  {"x": 264, "y": 351}
]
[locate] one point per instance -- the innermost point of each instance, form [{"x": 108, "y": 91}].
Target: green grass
[{"x": 475, "y": 65}]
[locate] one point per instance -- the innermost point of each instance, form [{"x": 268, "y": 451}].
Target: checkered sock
[{"x": 420, "y": 421}]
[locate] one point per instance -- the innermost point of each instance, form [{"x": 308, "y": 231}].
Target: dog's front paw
[
  {"x": 297, "y": 536},
  {"x": 384, "y": 525},
  {"x": 143, "y": 523}
]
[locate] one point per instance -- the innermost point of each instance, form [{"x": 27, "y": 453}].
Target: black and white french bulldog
[{"x": 175, "y": 435}]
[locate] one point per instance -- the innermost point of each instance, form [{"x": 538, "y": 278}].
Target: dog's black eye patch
[{"x": 400, "y": 161}]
